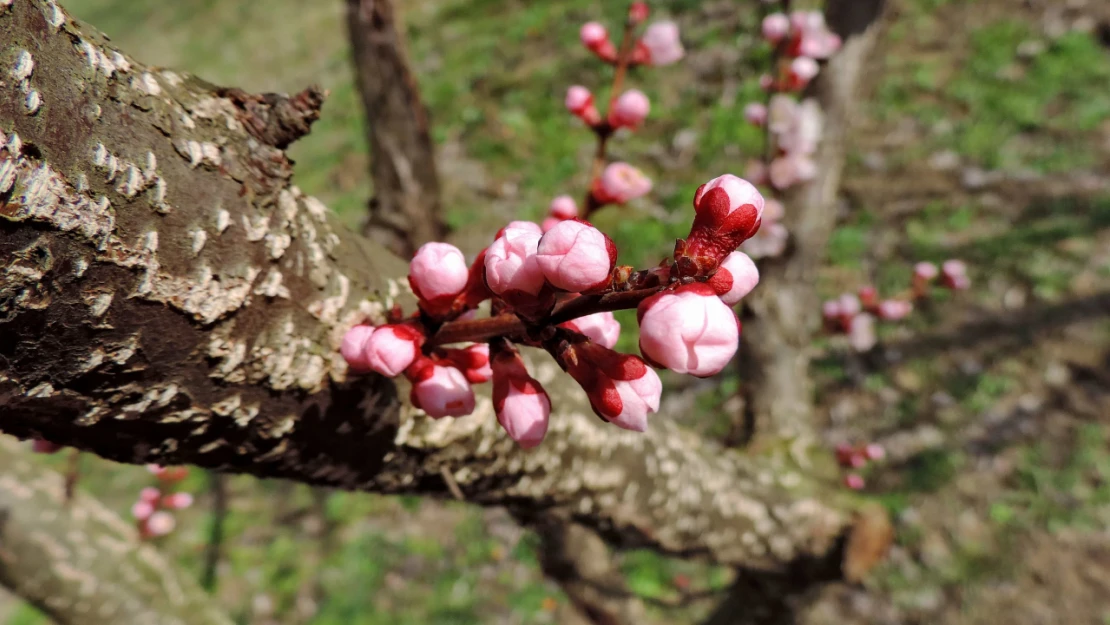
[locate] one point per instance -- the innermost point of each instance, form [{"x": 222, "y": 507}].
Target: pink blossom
[
  {"x": 861, "y": 333},
  {"x": 791, "y": 169},
  {"x": 755, "y": 113},
  {"x": 775, "y": 27},
  {"x": 954, "y": 275},
  {"x": 150, "y": 494},
  {"x": 353, "y": 347},
  {"x": 602, "y": 328},
  {"x": 141, "y": 510},
  {"x": 688, "y": 330},
  {"x": 638, "y": 12},
  {"x": 511, "y": 263},
  {"x": 177, "y": 501},
  {"x": 620, "y": 183},
  {"x": 473, "y": 361},
  {"x": 530, "y": 226},
  {"x": 925, "y": 270},
  {"x": 766, "y": 82},
  {"x": 874, "y": 451},
  {"x": 593, "y": 34},
  {"x": 803, "y": 69},
  {"x": 575, "y": 256},
  {"x": 622, "y": 389},
  {"x": 830, "y": 310},
  {"x": 736, "y": 277},
  {"x": 798, "y": 129},
  {"x": 42, "y": 446},
  {"x": 441, "y": 391},
  {"x": 160, "y": 523},
  {"x": 812, "y": 36},
  {"x": 521, "y": 404},
  {"x": 391, "y": 349},
  {"x": 728, "y": 211},
  {"x": 894, "y": 309},
  {"x": 563, "y": 207},
  {"x": 662, "y": 43},
  {"x": 782, "y": 113},
  {"x": 850, "y": 305},
  {"x": 580, "y": 102},
  {"x": 630, "y": 109},
  {"x": 854, "y": 481},
  {"x": 438, "y": 270}
]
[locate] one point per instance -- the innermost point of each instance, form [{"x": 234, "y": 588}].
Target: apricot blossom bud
[
  {"x": 661, "y": 43},
  {"x": 954, "y": 275},
  {"x": 596, "y": 39},
  {"x": 925, "y": 271},
  {"x": 894, "y": 309},
  {"x": 803, "y": 69},
  {"x": 511, "y": 264},
  {"x": 160, "y": 523},
  {"x": 392, "y": 348},
  {"x": 854, "y": 481},
  {"x": 575, "y": 256},
  {"x": 735, "y": 278},
  {"x": 755, "y": 113},
  {"x": 775, "y": 27},
  {"x": 441, "y": 391},
  {"x": 638, "y": 12},
  {"x": 563, "y": 207},
  {"x": 437, "y": 271},
  {"x": 688, "y": 330},
  {"x": 621, "y": 182},
  {"x": 622, "y": 389},
  {"x": 630, "y": 109},
  {"x": 353, "y": 347},
  {"x": 177, "y": 501},
  {"x": 473, "y": 361},
  {"x": 521, "y": 404},
  {"x": 141, "y": 510},
  {"x": 728, "y": 211},
  {"x": 861, "y": 332},
  {"x": 580, "y": 102},
  {"x": 601, "y": 328}
]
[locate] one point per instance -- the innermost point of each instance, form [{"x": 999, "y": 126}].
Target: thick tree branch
[
  {"x": 405, "y": 210},
  {"x": 79, "y": 562},
  {"x": 171, "y": 297}
]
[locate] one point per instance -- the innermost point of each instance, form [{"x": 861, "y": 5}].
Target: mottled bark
[
  {"x": 405, "y": 209},
  {"x": 782, "y": 316},
  {"x": 79, "y": 562},
  {"x": 169, "y": 296}
]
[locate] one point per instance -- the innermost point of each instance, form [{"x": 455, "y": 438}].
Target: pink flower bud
[
  {"x": 854, "y": 481},
  {"x": 511, "y": 264},
  {"x": 620, "y": 183},
  {"x": 688, "y": 330},
  {"x": 630, "y": 109},
  {"x": 831, "y": 310},
  {"x": 861, "y": 333},
  {"x": 563, "y": 207},
  {"x": 601, "y": 328},
  {"x": 925, "y": 271},
  {"x": 874, "y": 451},
  {"x": 353, "y": 347},
  {"x": 775, "y": 26},
  {"x": 638, "y": 12},
  {"x": 850, "y": 306},
  {"x": 736, "y": 277},
  {"x": 160, "y": 523},
  {"x": 441, "y": 391},
  {"x": 530, "y": 226},
  {"x": 150, "y": 494},
  {"x": 177, "y": 501},
  {"x": 41, "y": 446},
  {"x": 728, "y": 211},
  {"x": 141, "y": 510},
  {"x": 803, "y": 69},
  {"x": 156, "y": 470},
  {"x": 766, "y": 82},
  {"x": 438, "y": 271},
  {"x": 521, "y": 404},
  {"x": 662, "y": 43},
  {"x": 844, "y": 453},
  {"x": 857, "y": 460},
  {"x": 622, "y": 389},
  {"x": 575, "y": 256},
  {"x": 580, "y": 102},
  {"x": 954, "y": 274},
  {"x": 868, "y": 297},
  {"x": 894, "y": 309},
  {"x": 755, "y": 113},
  {"x": 593, "y": 34},
  {"x": 473, "y": 361},
  {"x": 392, "y": 348}
]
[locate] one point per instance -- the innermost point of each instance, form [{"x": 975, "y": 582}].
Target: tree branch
[
  {"x": 79, "y": 562},
  {"x": 171, "y": 297}
]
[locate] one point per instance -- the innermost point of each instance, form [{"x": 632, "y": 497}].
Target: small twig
[
  {"x": 218, "y": 488},
  {"x": 73, "y": 473},
  {"x": 452, "y": 485}
]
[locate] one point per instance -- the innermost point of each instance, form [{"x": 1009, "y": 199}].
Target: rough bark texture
[
  {"x": 782, "y": 316},
  {"x": 405, "y": 209},
  {"x": 79, "y": 562},
  {"x": 169, "y": 296}
]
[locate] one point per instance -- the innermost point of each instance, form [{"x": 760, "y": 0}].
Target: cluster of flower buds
[
  {"x": 659, "y": 44},
  {"x": 855, "y": 314},
  {"x": 854, "y": 458},
  {"x": 557, "y": 290},
  {"x": 153, "y": 511}
]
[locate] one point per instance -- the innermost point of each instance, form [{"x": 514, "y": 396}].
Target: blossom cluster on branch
[
  {"x": 555, "y": 286},
  {"x": 153, "y": 511}
]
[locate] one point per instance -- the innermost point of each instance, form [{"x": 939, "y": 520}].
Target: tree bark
[
  {"x": 79, "y": 562},
  {"x": 782, "y": 316},
  {"x": 169, "y": 296},
  {"x": 405, "y": 209}
]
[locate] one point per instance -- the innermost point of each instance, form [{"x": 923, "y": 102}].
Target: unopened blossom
[
  {"x": 353, "y": 347},
  {"x": 621, "y": 388},
  {"x": 894, "y": 309},
  {"x": 803, "y": 69},
  {"x": 736, "y": 277},
  {"x": 511, "y": 264},
  {"x": 630, "y": 109},
  {"x": 830, "y": 312},
  {"x": 874, "y": 451},
  {"x": 42, "y": 446},
  {"x": 854, "y": 481},
  {"x": 150, "y": 494},
  {"x": 811, "y": 35},
  {"x": 925, "y": 271},
  {"x": 392, "y": 348},
  {"x": 519, "y": 400},
  {"x": 954, "y": 275},
  {"x": 168, "y": 475},
  {"x": 638, "y": 12},
  {"x": 177, "y": 501},
  {"x": 861, "y": 332},
  {"x": 620, "y": 183},
  {"x": 580, "y": 102},
  {"x": 141, "y": 510},
  {"x": 441, "y": 391},
  {"x": 775, "y": 27},
  {"x": 563, "y": 207},
  {"x": 473, "y": 361},
  {"x": 160, "y": 523},
  {"x": 688, "y": 330},
  {"x": 728, "y": 211},
  {"x": 596, "y": 39},
  {"x": 601, "y": 328},
  {"x": 850, "y": 305},
  {"x": 868, "y": 297},
  {"x": 755, "y": 113},
  {"x": 661, "y": 44},
  {"x": 575, "y": 256},
  {"x": 438, "y": 271}
]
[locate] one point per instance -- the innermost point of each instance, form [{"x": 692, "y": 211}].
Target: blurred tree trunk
[{"x": 405, "y": 208}]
